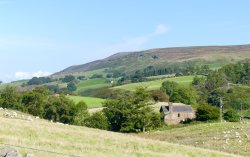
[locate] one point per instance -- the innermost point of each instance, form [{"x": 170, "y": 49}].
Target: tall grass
[{"x": 81, "y": 141}]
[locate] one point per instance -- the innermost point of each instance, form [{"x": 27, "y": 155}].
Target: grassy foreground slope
[
  {"x": 156, "y": 84},
  {"x": 227, "y": 137},
  {"x": 81, "y": 141}
]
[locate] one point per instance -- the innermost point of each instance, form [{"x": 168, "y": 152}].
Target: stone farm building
[{"x": 174, "y": 113}]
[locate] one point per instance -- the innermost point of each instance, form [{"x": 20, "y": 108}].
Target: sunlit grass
[
  {"x": 156, "y": 84},
  {"x": 90, "y": 101},
  {"x": 82, "y": 141},
  {"x": 216, "y": 136}
]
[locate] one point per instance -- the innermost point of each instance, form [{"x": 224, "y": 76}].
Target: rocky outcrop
[{"x": 11, "y": 152}]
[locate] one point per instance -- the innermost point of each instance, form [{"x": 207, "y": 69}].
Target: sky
[{"x": 40, "y": 37}]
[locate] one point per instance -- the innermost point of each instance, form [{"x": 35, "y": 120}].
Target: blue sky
[{"x": 39, "y": 37}]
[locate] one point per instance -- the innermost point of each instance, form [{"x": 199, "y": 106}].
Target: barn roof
[
  {"x": 182, "y": 108},
  {"x": 177, "y": 107}
]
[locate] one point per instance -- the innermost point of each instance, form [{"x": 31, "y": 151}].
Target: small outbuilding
[{"x": 174, "y": 113}]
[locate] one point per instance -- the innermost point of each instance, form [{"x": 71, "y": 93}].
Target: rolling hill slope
[
  {"x": 228, "y": 137},
  {"x": 80, "y": 141},
  {"x": 132, "y": 61}
]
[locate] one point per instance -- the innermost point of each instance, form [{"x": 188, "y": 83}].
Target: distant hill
[{"x": 131, "y": 61}]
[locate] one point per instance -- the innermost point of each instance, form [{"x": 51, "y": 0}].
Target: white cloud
[
  {"x": 22, "y": 75},
  {"x": 136, "y": 43},
  {"x": 27, "y": 75},
  {"x": 161, "y": 29},
  {"x": 41, "y": 74}
]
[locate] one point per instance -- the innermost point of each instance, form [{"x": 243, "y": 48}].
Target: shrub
[
  {"x": 59, "y": 109},
  {"x": 71, "y": 87},
  {"x": 10, "y": 98},
  {"x": 97, "y": 120},
  {"x": 80, "y": 112},
  {"x": 231, "y": 116},
  {"x": 207, "y": 113}
]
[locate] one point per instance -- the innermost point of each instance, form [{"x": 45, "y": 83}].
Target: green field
[
  {"x": 81, "y": 141},
  {"x": 215, "y": 136},
  {"x": 13, "y": 84},
  {"x": 152, "y": 85},
  {"x": 92, "y": 84},
  {"x": 90, "y": 101}
]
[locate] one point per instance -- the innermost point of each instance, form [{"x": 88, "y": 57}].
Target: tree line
[
  {"x": 127, "y": 114},
  {"x": 177, "y": 69}
]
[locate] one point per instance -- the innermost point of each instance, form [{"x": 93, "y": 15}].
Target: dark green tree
[
  {"x": 207, "y": 113},
  {"x": 204, "y": 70},
  {"x": 231, "y": 116},
  {"x": 34, "y": 101},
  {"x": 68, "y": 78},
  {"x": 81, "y": 77},
  {"x": 131, "y": 114},
  {"x": 60, "y": 109},
  {"x": 215, "y": 79},
  {"x": 97, "y": 120},
  {"x": 177, "y": 93},
  {"x": 71, "y": 86},
  {"x": 169, "y": 87},
  {"x": 80, "y": 113},
  {"x": 10, "y": 98}
]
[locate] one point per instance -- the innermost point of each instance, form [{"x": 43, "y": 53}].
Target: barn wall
[{"x": 173, "y": 118}]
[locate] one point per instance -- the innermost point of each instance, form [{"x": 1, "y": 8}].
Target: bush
[
  {"x": 53, "y": 88},
  {"x": 10, "y": 98},
  {"x": 207, "y": 113},
  {"x": 232, "y": 116},
  {"x": 97, "y": 120},
  {"x": 177, "y": 93},
  {"x": 71, "y": 87},
  {"x": 80, "y": 113},
  {"x": 59, "y": 109}
]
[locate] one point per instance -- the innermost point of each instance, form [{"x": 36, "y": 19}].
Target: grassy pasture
[
  {"x": 156, "y": 84},
  {"x": 92, "y": 84},
  {"x": 215, "y": 136},
  {"x": 82, "y": 141},
  {"x": 90, "y": 101}
]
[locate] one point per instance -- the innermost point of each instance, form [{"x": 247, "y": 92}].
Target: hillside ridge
[{"x": 131, "y": 61}]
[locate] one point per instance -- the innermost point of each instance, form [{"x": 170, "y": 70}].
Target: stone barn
[{"x": 174, "y": 113}]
